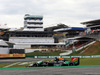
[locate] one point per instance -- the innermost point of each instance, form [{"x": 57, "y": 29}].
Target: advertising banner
[
  {"x": 5, "y": 55},
  {"x": 92, "y": 56},
  {"x": 18, "y": 55}
]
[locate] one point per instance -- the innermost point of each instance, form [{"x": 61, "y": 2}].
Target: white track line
[{"x": 11, "y": 65}]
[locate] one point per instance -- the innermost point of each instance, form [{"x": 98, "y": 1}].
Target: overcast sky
[{"x": 69, "y": 12}]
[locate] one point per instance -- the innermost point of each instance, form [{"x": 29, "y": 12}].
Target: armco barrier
[{"x": 92, "y": 56}]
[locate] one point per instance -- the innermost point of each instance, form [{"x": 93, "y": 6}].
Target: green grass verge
[
  {"x": 4, "y": 64},
  {"x": 90, "y": 61}
]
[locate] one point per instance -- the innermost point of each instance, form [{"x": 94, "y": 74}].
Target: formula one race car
[{"x": 57, "y": 62}]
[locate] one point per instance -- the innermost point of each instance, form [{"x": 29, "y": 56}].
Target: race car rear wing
[{"x": 76, "y": 60}]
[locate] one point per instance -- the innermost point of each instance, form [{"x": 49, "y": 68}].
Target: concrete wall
[
  {"x": 22, "y": 46},
  {"x": 32, "y": 50},
  {"x": 4, "y": 50}
]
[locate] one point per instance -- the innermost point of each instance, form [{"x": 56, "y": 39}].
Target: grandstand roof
[
  {"x": 81, "y": 38},
  {"x": 84, "y": 39},
  {"x": 30, "y": 32},
  {"x": 71, "y": 29},
  {"x": 3, "y": 43},
  {"x": 31, "y": 16},
  {"x": 91, "y": 22},
  {"x": 56, "y": 27}
]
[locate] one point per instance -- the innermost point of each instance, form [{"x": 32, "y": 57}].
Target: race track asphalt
[
  {"x": 53, "y": 71},
  {"x": 22, "y": 60}
]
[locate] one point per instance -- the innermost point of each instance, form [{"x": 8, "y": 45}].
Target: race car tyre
[
  {"x": 35, "y": 65},
  {"x": 71, "y": 64}
]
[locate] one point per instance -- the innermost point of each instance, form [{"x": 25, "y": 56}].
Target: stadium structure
[
  {"x": 94, "y": 24},
  {"x": 34, "y": 37},
  {"x": 93, "y": 30},
  {"x": 72, "y": 39},
  {"x": 33, "y": 23}
]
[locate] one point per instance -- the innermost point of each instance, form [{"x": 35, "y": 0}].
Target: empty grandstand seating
[
  {"x": 78, "y": 44},
  {"x": 32, "y": 39}
]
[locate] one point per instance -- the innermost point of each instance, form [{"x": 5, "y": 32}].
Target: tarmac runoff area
[{"x": 53, "y": 71}]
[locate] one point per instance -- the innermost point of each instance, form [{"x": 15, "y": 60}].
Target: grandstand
[
  {"x": 94, "y": 24},
  {"x": 71, "y": 37},
  {"x": 70, "y": 31},
  {"x": 3, "y": 32},
  {"x": 93, "y": 30},
  {"x": 60, "y": 37},
  {"x": 32, "y": 38},
  {"x": 80, "y": 42}
]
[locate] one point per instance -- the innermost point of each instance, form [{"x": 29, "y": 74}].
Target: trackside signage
[
  {"x": 86, "y": 56},
  {"x": 54, "y": 56},
  {"x": 42, "y": 56},
  {"x": 95, "y": 56},
  {"x": 65, "y": 56},
  {"x": 92, "y": 56}
]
